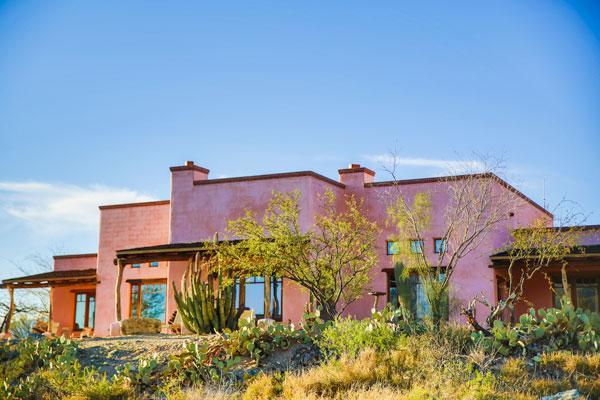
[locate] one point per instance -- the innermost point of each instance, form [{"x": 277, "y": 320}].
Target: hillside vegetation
[{"x": 379, "y": 358}]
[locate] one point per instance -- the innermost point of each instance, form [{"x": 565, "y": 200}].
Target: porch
[
  {"x": 251, "y": 293},
  {"x": 545, "y": 288},
  {"x": 72, "y": 300}
]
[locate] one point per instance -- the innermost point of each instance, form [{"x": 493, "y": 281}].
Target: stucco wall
[
  {"x": 122, "y": 228},
  {"x": 75, "y": 262}
]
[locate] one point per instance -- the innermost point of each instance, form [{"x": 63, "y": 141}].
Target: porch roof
[
  {"x": 52, "y": 279},
  {"x": 164, "y": 252},
  {"x": 587, "y": 253}
]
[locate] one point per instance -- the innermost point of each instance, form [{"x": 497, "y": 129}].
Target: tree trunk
[
  {"x": 267, "y": 313},
  {"x": 328, "y": 310}
]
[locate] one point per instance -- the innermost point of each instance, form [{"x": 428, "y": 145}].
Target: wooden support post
[
  {"x": 50, "y": 311},
  {"x": 120, "y": 267},
  {"x": 11, "y": 308}
]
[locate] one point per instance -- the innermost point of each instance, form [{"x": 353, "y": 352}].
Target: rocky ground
[{"x": 109, "y": 354}]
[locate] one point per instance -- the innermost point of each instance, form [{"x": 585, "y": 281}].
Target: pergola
[{"x": 45, "y": 280}]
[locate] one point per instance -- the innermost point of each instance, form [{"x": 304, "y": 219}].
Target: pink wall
[
  {"x": 145, "y": 224},
  {"x": 75, "y": 262},
  {"x": 63, "y": 298},
  {"x": 200, "y": 207}
]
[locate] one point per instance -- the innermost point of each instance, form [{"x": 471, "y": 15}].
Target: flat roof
[{"x": 52, "y": 278}]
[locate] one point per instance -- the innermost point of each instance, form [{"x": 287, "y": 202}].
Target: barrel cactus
[{"x": 207, "y": 305}]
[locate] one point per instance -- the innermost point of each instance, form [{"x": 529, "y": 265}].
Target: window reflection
[
  {"x": 148, "y": 300},
  {"x": 255, "y": 296}
]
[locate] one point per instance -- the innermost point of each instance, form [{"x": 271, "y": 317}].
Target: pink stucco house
[{"x": 154, "y": 240}]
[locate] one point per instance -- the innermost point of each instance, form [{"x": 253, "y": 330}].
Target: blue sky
[{"x": 98, "y": 100}]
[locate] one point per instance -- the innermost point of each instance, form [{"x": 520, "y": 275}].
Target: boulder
[{"x": 572, "y": 394}]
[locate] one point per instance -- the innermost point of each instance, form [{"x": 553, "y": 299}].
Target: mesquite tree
[
  {"x": 473, "y": 206},
  {"x": 331, "y": 259},
  {"x": 530, "y": 251}
]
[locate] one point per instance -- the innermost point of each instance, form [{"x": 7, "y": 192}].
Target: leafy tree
[{"x": 331, "y": 259}]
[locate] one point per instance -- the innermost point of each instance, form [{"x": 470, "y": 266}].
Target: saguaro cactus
[{"x": 203, "y": 307}]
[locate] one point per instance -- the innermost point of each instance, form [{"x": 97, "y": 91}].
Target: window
[
  {"x": 585, "y": 292},
  {"x": 255, "y": 296},
  {"x": 136, "y": 265},
  {"x": 148, "y": 300},
  {"x": 392, "y": 247},
  {"x": 416, "y": 246},
  {"x": 85, "y": 311},
  {"x": 440, "y": 245},
  {"x": 154, "y": 264},
  {"x": 419, "y": 305}
]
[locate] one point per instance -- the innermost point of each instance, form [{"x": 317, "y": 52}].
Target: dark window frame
[
  {"x": 139, "y": 283},
  {"x": 445, "y": 244},
  {"x": 279, "y": 317},
  {"x": 572, "y": 280},
  {"x": 387, "y": 247},
  {"x": 417, "y": 241},
  {"x": 88, "y": 294}
]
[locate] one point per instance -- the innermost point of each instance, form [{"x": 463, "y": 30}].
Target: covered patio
[
  {"x": 73, "y": 281},
  {"x": 179, "y": 255},
  {"x": 545, "y": 288}
]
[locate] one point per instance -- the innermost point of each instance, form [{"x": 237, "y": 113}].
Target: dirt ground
[{"x": 108, "y": 354}]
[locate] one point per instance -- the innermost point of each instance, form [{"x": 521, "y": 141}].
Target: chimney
[
  {"x": 188, "y": 173},
  {"x": 355, "y": 175}
]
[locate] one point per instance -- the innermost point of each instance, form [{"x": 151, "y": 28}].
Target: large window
[
  {"x": 419, "y": 305},
  {"x": 148, "y": 299},
  {"x": 85, "y": 310},
  {"x": 255, "y": 296},
  {"x": 585, "y": 292}
]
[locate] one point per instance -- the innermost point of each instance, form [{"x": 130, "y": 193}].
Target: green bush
[{"x": 350, "y": 337}]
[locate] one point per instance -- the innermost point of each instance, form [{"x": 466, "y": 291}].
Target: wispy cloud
[
  {"x": 57, "y": 207},
  {"x": 451, "y": 166}
]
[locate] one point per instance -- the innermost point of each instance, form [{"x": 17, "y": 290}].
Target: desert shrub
[
  {"x": 264, "y": 387},
  {"x": 551, "y": 329},
  {"x": 49, "y": 369},
  {"x": 135, "y": 326},
  {"x": 214, "y": 361},
  {"x": 346, "y": 336}
]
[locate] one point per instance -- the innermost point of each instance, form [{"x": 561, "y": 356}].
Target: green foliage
[
  {"x": 49, "y": 369},
  {"x": 141, "y": 374},
  {"x": 547, "y": 330},
  {"x": 217, "y": 360},
  {"x": 203, "y": 307},
  {"x": 346, "y": 336},
  {"x": 331, "y": 259}
]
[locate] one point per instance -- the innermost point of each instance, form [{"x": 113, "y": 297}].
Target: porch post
[
  {"x": 11, "y": 308},
  {"x": 121, "y": 266},
  {"x": 50, "y": 312}
]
